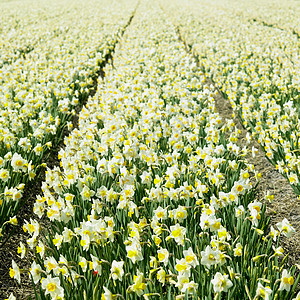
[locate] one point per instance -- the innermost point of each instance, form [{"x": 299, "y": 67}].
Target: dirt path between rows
[{"x": 286, "y": 203}]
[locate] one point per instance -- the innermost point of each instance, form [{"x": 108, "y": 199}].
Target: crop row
[
  {"x": 19, "y": 35},
  {"x": 283, "y": 15},
  {"x": 153, "y": 196},
  {"x": 257, "y": 68},
  {"x": 40, "y": 91}
]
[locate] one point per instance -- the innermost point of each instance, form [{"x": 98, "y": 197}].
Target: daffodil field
[
  {"x": 153, "y": 197},
  {"x": 256, "y": 67}
]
